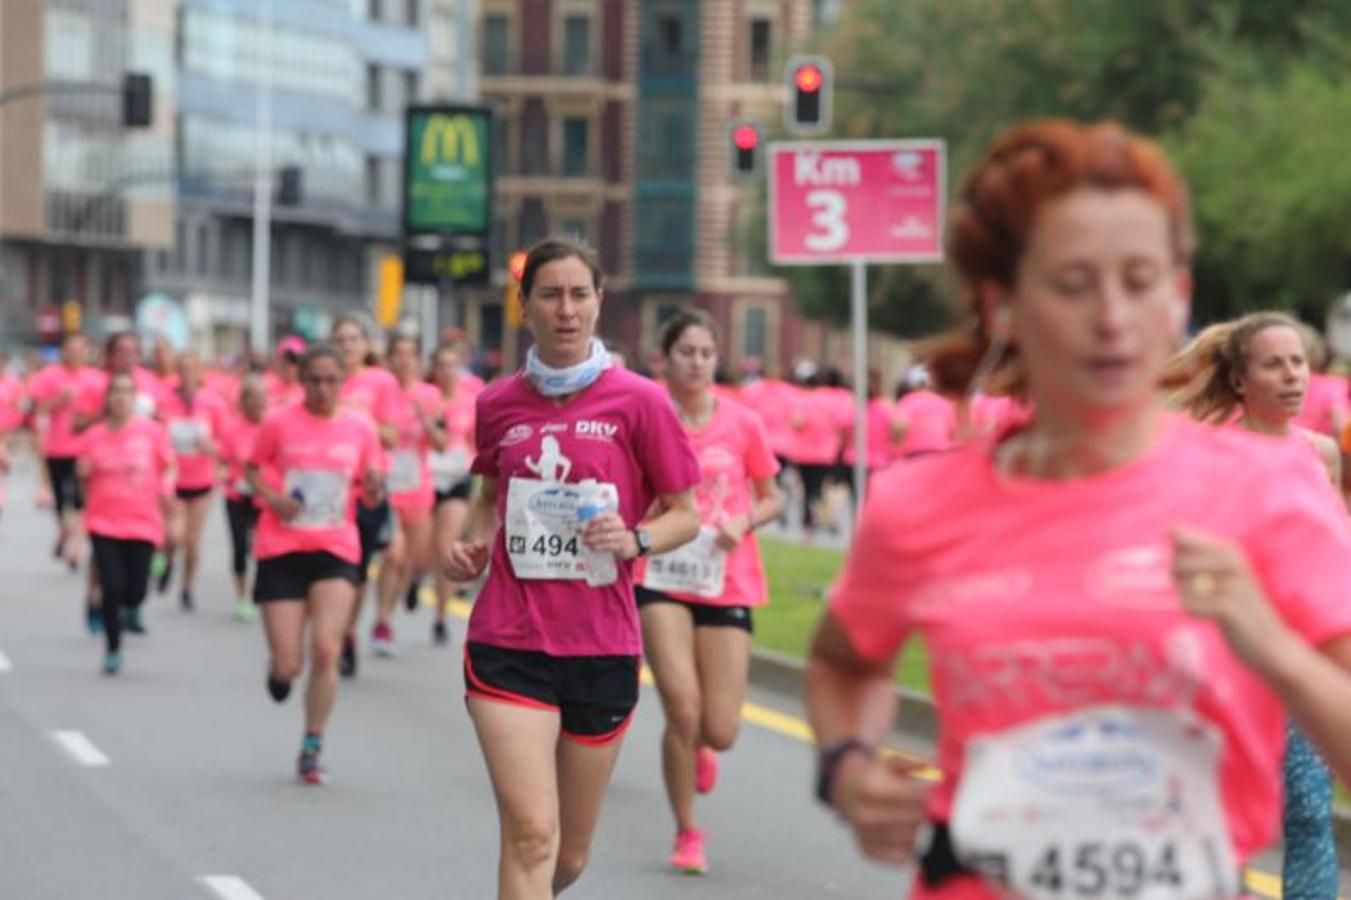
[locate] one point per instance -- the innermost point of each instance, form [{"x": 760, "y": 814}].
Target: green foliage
[{"x": 1247, "y": 94}]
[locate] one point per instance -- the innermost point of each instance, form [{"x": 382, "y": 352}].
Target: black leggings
[
  {"x": 124, "y": 573},
  {"x": 813, "y": 483},
  {"x": 242, "y": 516}
]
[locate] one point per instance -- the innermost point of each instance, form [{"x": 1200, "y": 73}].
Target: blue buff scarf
[{"x": 553, "y": 382}]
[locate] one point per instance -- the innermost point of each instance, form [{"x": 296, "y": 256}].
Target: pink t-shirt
[
  {"x": 877, "y": 433},
  {"x": 773, "y": 401},
  {"x": 931, "y": 421},
  {"x": 11, "y": 402},
  {"x": 1325, "y": 404},
  {"x": 992, "y": 413},
  {"x": 95, "y": 393},
  {"x": 622, "y": 430},
  {"x": 458, "y": 412},
  {"x": 372, "y": 392},
  {"x": 280, "y": 393},
  {"x": 408, "y": 457},
  {"x": 223, "y": 384},
  {"x": 236, "y": 447},
  {"x": 733, "y": 451},
  {"x": 1035, "y": 598},
  {"x": 127, "y": 478},
  {"x": 192, "y": 429},
  {"x": 818, "y": 419},
  {"x": 65, "y": 388},
  {"x": 165, "y": 384},
  {"x": 321, "y": 462}
]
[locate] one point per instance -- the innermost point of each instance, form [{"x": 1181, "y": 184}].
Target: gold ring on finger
[{"x": 1203, "y": 584}]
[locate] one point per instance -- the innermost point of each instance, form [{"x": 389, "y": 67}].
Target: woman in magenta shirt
[
  {"x": 415, "y": 416},
  {"x": 572, "y": 453},
  {"x": 127, "y": 466},
  {"x": 1119, "y": 605},
  {"x": 696, "y": 601},
  {"x": 196, "y": 420},
  {"x": 309, "y": 464}
]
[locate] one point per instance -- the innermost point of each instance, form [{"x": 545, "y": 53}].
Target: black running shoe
[
  {"x": 410, "y": 599},
  {"x": 132, "y": 621},
  {"x": 347, "y": 664},
  {"x": 278, "y": 688},
  {"x": 93, "y": 618},
  {"x": 440, "y": 634},
  {"x": 185, "y": 600},
  {"x": 166, "y": 576}
]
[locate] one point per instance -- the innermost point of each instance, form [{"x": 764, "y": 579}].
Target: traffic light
[
  {"x": 745, "y": 149},
  {"x": 289, "y": 186},
  {"x": 138, "y": 100},
  {"x": 516, "y": 265},
  {"x": 515, "y": 310},
  {"x": 810, "y": 84}
]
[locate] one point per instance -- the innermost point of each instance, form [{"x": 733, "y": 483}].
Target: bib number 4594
[{"x": 1097, "y": 869}]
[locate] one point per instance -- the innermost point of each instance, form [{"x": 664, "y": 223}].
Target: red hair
[{"x": 1027, "y": 167}]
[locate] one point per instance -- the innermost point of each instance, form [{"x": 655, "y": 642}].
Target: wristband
[{"x": 828, "y": 764}]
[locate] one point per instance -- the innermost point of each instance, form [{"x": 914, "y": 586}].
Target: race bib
[
  {"x": 542, "y": 529},
  {"x": 405, "y": 471},
  {"x": 449, "y": 467},
  {"x": 1108, "y": 801},
  {"x": 322, "y": 495},
  {"x": 186, "y": 436},
  {"x": 698, "y": 568},
  {"x": 243, "y": 488},
  {"x": 143, "y": 405}
]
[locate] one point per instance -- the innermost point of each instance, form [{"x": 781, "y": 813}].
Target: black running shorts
[
  {"x": 289, "y": 576},
  {"x": 705, "y": 615}
]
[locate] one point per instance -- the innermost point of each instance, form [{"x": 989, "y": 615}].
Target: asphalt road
[{"x": 175, "y": 779}]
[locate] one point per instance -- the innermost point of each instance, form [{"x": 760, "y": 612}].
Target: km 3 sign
[
  {"x": 856, "y": 201},
  {"x": 448, "y": 170}
]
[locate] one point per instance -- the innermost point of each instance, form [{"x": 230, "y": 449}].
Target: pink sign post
[{"x": 857, "y": 202}]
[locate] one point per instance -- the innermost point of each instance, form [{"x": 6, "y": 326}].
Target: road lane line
[
  {"x": 5, "y": 664},
  {"x": 81, "y": 749},
  {"x": 230, "y": 887},
  {"x": 1263, "y": 883}
]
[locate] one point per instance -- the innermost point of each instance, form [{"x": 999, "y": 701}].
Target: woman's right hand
[
  {"x": 884, "y": 804},
  {"x": 286, "y": 508},
  {"x": 467, "y": 560}
]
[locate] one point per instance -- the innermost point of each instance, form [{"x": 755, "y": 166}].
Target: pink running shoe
[
  {"x": 705, "y": 770},
  {"x": 688, "y": 856}
]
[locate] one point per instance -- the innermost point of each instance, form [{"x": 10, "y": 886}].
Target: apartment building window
[
  {"x": 412, "y": 84},
  {"x": 372, "y": 182},
  {"x": 496, "y": 45},
  {"x": 762, "y": 46},
  {"x": 576, "y": 229},
  {"x": 203, "y": 249},
  {"x": 577, "y": 45},
  {"x": 372, "y": 87},
  {"x": 671, "y": 37},
  {"x": 414, "y": 13},
  {"x": 576, "y": 133},
  {"x": 534, "y": 140},
  {"x": 755, "y": 332}
]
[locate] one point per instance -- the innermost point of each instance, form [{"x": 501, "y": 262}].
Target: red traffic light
[
  {"x": 809, "y": 78},
  {"x": 516, "y": 265},
  {"x": 746, "y": 137}
]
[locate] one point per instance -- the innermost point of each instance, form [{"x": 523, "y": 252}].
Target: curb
[{"x": 782, "y": 674}]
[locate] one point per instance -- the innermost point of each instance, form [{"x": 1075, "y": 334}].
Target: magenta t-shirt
[
  {"x": 733, "y": 451},
  {"x": 192, "y": 428},
  {"x": 320, "y": 461},
  {"x": 1039, "y": 598},
  {"x": 623, "y": 431},
  {"x": 127, "y": 469},
  {"x": 931, "y": 421}
]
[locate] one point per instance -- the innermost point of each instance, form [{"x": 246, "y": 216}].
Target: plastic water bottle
[{"x": 597, "y": 499}]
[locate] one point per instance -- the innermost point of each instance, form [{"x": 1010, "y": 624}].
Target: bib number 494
[{"x": 1098, "y": 869}]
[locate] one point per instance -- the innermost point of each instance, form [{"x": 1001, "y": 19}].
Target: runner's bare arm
[
  {"x": 676, "y": 523},
  {"x": 469, "y": 557},
  {"x": 285, "y": 507},
  {"x": 766, "y": 507}
]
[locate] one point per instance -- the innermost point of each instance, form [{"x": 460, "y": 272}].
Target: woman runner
[
  {"x": 127, "y": 467},
  {"x": 450, "y": 471},
  {"x": 309, "y": 463},
  {"x": 196, "y": 420},
  {"x": 572, "y": 453},
  {"x": 1259, "y": 365},
  {"x": 696, "y": 602},
  {"x": 415, "y": 413},
  {"x": 1118, "y": 603},
  {"x": 241, "y": 507}
]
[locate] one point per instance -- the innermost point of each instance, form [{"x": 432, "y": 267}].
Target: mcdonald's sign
[{"x": 448, "y": 176}]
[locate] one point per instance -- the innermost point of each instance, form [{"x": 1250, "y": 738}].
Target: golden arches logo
[{"x": 450, "y": 139}]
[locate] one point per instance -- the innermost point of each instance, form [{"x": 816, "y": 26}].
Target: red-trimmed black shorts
[{"x": 594, "y": 695}]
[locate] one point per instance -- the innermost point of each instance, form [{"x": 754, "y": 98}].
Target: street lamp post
[{"x": 262, "y": 195}]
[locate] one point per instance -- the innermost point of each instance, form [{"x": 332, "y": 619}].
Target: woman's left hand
[
  {"x": 1215, "y": 583},
  {"x": 607, "y": 533},
  {"x": 733, "y": 532}
]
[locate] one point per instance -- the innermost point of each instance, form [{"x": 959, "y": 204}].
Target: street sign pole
[
  {"x": 259, "y": 314},
  {"x": 859, "y": 314}
]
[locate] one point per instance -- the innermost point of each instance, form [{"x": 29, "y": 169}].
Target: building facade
[
  {"x": 81, "y": 197},
  {"x": 615, "y": 127}
]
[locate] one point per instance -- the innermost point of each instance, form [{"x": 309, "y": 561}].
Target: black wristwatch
[
  {"x": 643, "y": 541},
  {"x": 828, "y": 764}
]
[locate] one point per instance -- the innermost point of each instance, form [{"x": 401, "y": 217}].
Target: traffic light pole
[
  {"x": 859, "y": 314},
  {"x": 262, "y": 198}
]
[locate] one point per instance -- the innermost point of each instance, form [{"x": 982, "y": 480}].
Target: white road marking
[
  {"x": 81, "y": 748},
  {"x": 5, "y": 664},
  {"x": 230, "y": 887}
]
